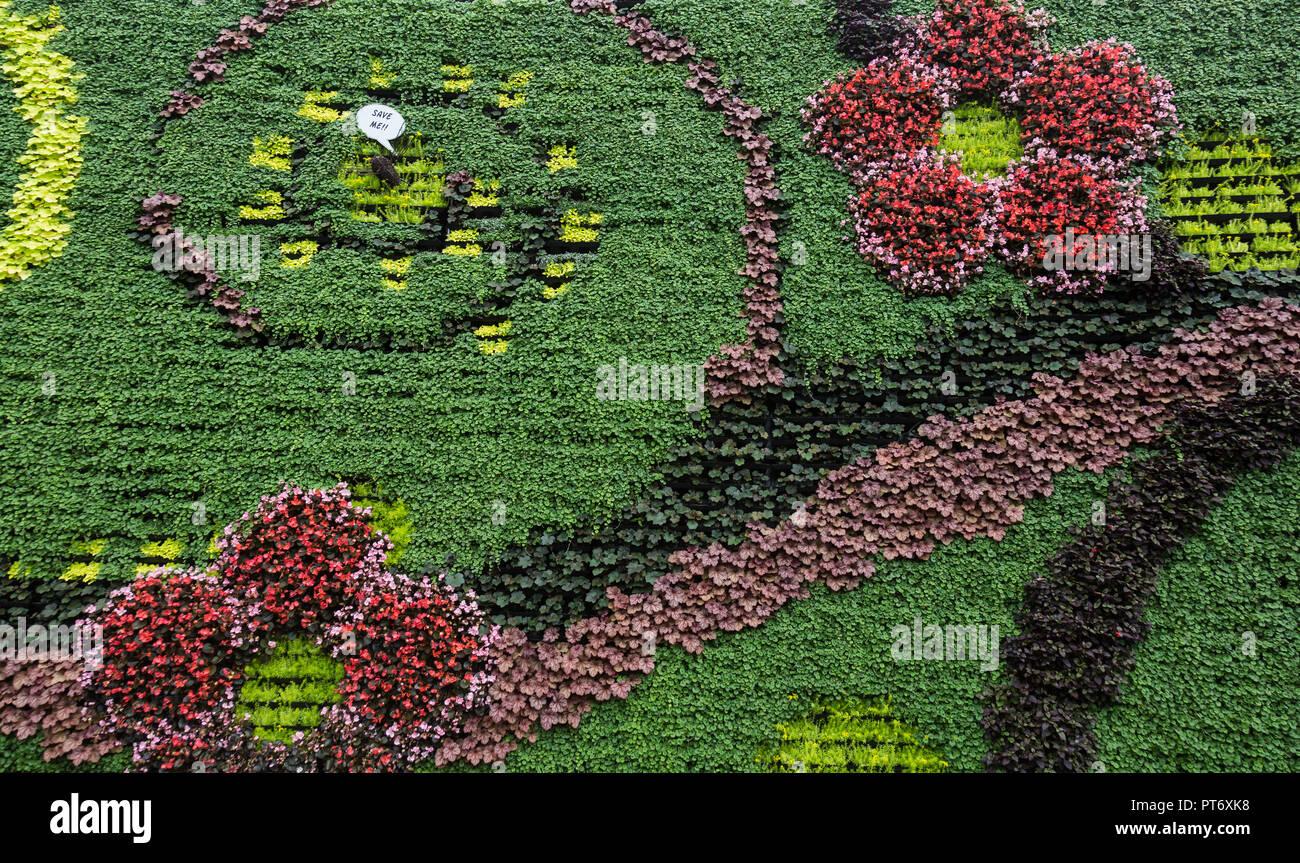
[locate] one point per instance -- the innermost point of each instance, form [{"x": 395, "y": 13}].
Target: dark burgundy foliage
[
  {"x": 1081, "y": 619},
  {"x": 865, "y": 28}
]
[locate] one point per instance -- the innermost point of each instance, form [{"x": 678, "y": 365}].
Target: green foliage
[
  {"x": 1233, "y": 203},
  {"x": 849, "y": 735},
  {"x": 715, "y": 710},
  {"x": 285, "y": 692},
  {"x": 157, "y": 407},
  {"x": 1209, "y": 692}
]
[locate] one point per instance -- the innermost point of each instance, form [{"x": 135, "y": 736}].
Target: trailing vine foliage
[{"x": 1084, "y": 616}]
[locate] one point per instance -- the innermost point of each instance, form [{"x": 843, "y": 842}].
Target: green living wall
[{"x": 435, "y": 345}]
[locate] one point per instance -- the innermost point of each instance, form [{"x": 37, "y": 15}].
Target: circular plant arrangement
[
  {"x": 910, "y": 127},
  {"x": 305, "y": 565},
  {"x": 430, "y": 239},
  {"x": 485, "y": 214}
]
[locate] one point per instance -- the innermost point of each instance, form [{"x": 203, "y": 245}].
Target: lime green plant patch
[
  {"x": 286, "y": 692},
  {"x": 986, "y": 138},
  {"x": 850, "y": 735},
  {"x": 40, "y": 218}
]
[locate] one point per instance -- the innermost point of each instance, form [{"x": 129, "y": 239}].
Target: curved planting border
[
  {"x": 1082, "y": 620},
  {"x": 735, "y": 369},
  {"x": 963, "y": 478}
]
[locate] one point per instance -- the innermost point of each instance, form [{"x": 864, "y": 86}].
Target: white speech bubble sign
[{"x": 381, "y": 123}]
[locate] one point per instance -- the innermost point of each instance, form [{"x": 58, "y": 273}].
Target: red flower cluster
[
  {"x": 874, "y": 113},
  {"x": 1099, "y": 101},
  {"x": 315, "y": 547},
  {"x": 175, "y": 646},
  {"x": 983, "y": 45},
  {"x": 1049, "y": 197},
  {"x": 924, "y": 223},
  {"x": 166, "y": 640},
  {"x": 416, "y": 642},
  {"x": 1087, "y": 118}
]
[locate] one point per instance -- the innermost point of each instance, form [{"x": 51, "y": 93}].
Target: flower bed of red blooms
[
  {"x": 1089, "y": 117},
  {"x": 1039, "y": 200},
  {"x": 306, "y": 564},
  {"x": 923, "y": 221},
  {"x": 870, "y": 114},
  {"x": 983, "y": 45},
  {"x": 1096, "y": 101}
]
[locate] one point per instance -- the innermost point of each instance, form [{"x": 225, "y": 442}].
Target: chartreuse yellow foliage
[
  {"x": 167, "y": 549},
  {"x": 396, "y": 268},
  {"x": 379, "y": 76},
  {"x": 557, "y": 270},
  {"x": 40, "y": 219},
  {"x": 389, "y": 514},
  {"x": 84, "y": 570},
  {"x": 495, "y": 345},
  {"x": 457, "y": 79},
  {"x": 512, "y": 90},
  {"x": 286, "y": 692},
  {"x": 487, "y": 193},
  {"x": 561, "y": 157},
  {"x": 312, "y": 108},
  {"x": 577, "y": 228},
  {"x": 302, "y": 250},
  {"x": 463, "y": 242},
  {"x": 850, "y": 735},
  {"x": 272, "y": 152},
  {"x": 273, "y": 209}
]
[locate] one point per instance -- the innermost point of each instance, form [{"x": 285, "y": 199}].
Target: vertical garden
[{"x": 680, "y": 385}]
